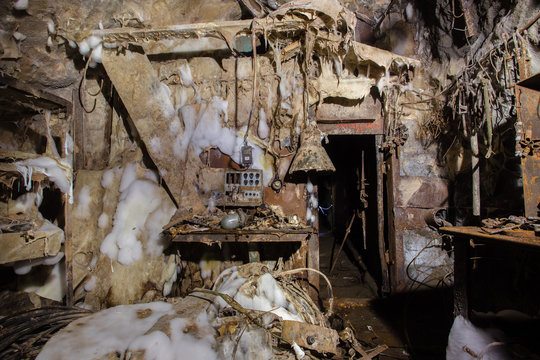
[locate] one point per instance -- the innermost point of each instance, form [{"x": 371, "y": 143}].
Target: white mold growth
[
  {"x": 103, "y": 221},
  {"x": 108, "y": 331},
  {"x": 83, "y": 201},
  {"x": 263, "y": 130},
  {"x": 143, "y": 209},
  {"x": 20, "y": 5}
]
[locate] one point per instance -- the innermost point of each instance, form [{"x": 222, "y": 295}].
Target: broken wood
[{"x": 32, "y": 244}]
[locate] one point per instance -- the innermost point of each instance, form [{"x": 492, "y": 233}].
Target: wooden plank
[
  {"x": 213, "y": 237},
  {"x": 17, "y": 155},
  {"x": 29, "y": 245},
  {"x": 151, "y": 112},
  {"x": 519, "y": 237},
  {"x": 11, "y": 168},
  {"x": 41, "y": 99}
]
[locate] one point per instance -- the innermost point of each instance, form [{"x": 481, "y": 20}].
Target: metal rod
[
  {"x": 343, "y": 242},
  {"x": 475, "y": 175},
  {"x": 364, "y": 201},
  {"x": 530, "y": 23},
  {"x": 68, "y": 251}
]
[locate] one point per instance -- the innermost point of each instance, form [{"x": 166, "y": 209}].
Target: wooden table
[
  {"x": 464, "y": 237},
  {"x": 307, "y": 237}
]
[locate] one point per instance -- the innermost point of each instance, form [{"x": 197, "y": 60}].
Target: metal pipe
[{"x": 475, "y": 175}]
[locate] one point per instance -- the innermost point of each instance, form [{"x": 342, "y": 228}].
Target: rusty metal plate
[
  {"x": 310, "y": 336},
  {"x": 528, "y": 102},
  {"x": 368, "y": 109},
  {"x": 351, "y": 127},
  {"x": 291, "y": 199}
]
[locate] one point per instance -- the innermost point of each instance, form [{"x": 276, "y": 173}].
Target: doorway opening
[{"x": 348, "y": 217}]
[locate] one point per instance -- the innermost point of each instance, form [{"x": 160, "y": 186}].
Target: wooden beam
[{"x": 150, "y": 110}]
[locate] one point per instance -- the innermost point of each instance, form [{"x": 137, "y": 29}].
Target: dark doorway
[{"x": 340, "y": 201}]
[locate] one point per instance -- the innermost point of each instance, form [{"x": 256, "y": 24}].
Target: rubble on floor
[{"x": 251, "y": 313}]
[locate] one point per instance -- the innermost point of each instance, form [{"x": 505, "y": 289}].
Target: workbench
[
  {"x": 307, "y": 237},
  {"x": 467, "y": 236}
]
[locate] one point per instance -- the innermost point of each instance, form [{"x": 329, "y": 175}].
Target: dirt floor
[{"x": 412, "y": 325}]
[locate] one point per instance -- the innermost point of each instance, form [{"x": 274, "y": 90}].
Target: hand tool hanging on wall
[
  {"x": 363, "y": 201},
  {"x": 487, "y": 116}
]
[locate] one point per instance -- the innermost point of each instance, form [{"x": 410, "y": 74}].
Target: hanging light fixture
[{"x": 311, "y": 155}]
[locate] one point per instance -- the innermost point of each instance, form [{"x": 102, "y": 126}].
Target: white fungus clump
[
  {"x": 142, "y": 211},
  {"x": 58, "y": 172},
  {"x": 23, "y": 267},
  {"x": 82, "y": 210},
  {"x": 309, "y": 186},
  {"x": 103, "y": 221},
  {"x": 108, "y": 331},
  {"x": 51, "y": 27},
  {"x": 18, "y": 36},
  {"x": 92, "y": 45},
  {"x": 20, "y": 5},
  {"x": 90, "y": 284},
  {"x": 263, "y": 130}
]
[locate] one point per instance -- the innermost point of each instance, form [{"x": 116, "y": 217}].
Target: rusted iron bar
[
  {"x": 343, "y": 241},
  {"x": 78, "y": 133},
  {"x": 384, "y": 15},
  {"x": 530, "y": 23},
  {"x": 363, "y": 201},
  {"x": 467, "y": 13}
]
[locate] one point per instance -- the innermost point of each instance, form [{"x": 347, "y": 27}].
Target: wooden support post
[
  {"x": 385, "y": 285},
  {"x": 461, "y": 269},
  {"x": 254, "y": 254},
  {"x": 68, "y": 251},
  {"x": 313, "y": 253}
]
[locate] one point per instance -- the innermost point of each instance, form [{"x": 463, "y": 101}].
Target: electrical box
[{"x": 232, "y": 187}]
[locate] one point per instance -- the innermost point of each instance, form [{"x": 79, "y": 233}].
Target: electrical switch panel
[{"x": 242, "y": 188}]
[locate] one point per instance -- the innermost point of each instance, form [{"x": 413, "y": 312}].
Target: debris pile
[{"x": 251, "y": 313}]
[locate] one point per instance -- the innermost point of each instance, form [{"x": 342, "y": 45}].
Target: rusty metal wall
[{"x": 528, "y": 129}]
